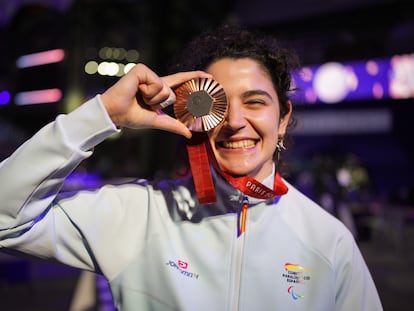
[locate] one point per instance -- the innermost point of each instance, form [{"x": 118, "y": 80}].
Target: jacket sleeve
[
  {"x": 34, "y": 174},
  {"x": 356, "y": 289}
]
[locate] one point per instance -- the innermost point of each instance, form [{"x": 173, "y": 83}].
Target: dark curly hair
[{"x": 240, "y": 42}]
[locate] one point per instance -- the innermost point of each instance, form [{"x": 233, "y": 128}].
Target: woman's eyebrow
[{"x": 256, "y": 92}]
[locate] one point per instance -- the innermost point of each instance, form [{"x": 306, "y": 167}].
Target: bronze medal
[{"x": 200, "y": 104}]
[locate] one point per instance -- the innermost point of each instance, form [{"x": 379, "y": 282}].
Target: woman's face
[{"x": 244, "y": 143}]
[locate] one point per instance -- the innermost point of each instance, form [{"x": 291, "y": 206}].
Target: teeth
[{"x": 239, "y": 144}]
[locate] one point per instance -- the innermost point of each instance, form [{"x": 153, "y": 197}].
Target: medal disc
[{"x": 200, "y": 104}]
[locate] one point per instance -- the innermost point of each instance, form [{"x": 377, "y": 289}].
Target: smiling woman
[
  {"x": 244, "y": 144},
  {"x": 157, "y": 243}
]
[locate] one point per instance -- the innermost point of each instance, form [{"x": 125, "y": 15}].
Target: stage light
[
  {"x": 40, "y": 58},
  {"x": 122, "y": 61},
  {"x": 38, "y": 97},
  {"x": 330, "y": 82},
  {"x": 374, "y": 79},
  {"x": 91, "y": 67},
  {"x": 108, "y": 69},
  {"x": 119, "y": 53},
  {"x": 111, "y": 69},
  {"x": 105, "y": 53},
  {"x": 128, "y": 67},
  {"x": 121, "y": 70},
  {"x": 108, "y": 53},
  {"x": 402, "y": 76},
  {"x": 4, "y": 97},
  {"x": 102, "y": 68},
  {"x": 132, "y": 56}
]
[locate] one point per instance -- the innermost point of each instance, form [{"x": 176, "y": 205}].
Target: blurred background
[{"x": 351, "y": 151}]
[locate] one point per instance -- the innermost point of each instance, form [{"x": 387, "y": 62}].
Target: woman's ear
[{"x": 284, "y": 121}]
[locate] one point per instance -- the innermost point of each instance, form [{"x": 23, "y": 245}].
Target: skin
[
  {"x": 134, "y": 100},
  {"x": 244, "y": 143}
]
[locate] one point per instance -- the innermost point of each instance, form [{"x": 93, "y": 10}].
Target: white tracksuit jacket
[{"x": 160, "y": 250}]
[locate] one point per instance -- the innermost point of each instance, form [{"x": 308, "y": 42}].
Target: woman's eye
[{"x": 255, "y": 102}]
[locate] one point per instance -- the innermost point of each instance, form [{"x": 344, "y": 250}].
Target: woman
[{"x": 157, "y": 246}]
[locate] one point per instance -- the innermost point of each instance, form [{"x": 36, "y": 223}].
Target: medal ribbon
[
  {"x": 199, "y": 153},
  {"x": 200, "y": 168},
  {"x": 201, "y": 105},
  {"x": 253, "y": 188},
  {"x": 249, "y": 187},
  {"x": 256, "y": 189},
  {"x": 247, "y": 184}
]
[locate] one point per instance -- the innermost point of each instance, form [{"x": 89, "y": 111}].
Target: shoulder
[
  {"x": 297, "y": 204},
  {"x": 313, "y": 225}
]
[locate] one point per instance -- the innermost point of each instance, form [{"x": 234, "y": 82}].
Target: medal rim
[{"x": 217, "y": 112}]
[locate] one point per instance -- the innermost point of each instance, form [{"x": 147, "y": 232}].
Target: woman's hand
[{"x": 135, "y": 100}]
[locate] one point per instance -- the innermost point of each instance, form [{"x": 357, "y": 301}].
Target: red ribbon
[
  {"x": 253, "y": 188},
  {"x": 199, "y": 152},
  {"x": 200, "y": 168}
]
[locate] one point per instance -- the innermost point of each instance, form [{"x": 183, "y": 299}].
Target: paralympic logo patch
[
  {"x": 295, "y": 296},
  {"x": 295, "y": 275}
]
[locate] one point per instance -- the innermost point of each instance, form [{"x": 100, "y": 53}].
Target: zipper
[
  {"x": 238, "y": 254},
  {"x": 241, "y": 217}
]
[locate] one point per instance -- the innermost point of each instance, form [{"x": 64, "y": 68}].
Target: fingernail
[{"x": 166, "y": 103}]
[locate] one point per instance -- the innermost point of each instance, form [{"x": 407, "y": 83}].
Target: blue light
[
  {"x": 374, "y": 79},
  {"x": 4, "y": 97}
]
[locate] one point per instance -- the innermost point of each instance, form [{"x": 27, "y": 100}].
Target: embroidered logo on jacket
[
  {"x": 295, "y": 274},
  {"x": 295, "y": 296},
  {"x": 181, "y": 266}
]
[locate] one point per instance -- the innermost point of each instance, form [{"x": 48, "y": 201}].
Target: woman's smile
[
  {"x": 239, "y": 144},
  {"x": 245, "y": 142}
]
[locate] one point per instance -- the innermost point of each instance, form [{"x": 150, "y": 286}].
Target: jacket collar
[{"x": 183, "y": 204}]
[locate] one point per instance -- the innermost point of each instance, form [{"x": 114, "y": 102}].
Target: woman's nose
[{"x": 234, "y": 118}]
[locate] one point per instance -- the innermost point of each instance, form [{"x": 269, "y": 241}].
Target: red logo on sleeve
[{"x": 182, "y": 264}]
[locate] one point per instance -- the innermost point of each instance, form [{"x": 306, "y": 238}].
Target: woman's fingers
[
  {"x": 176, "y": 79},
  {"x": 136, "y": 99}
]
